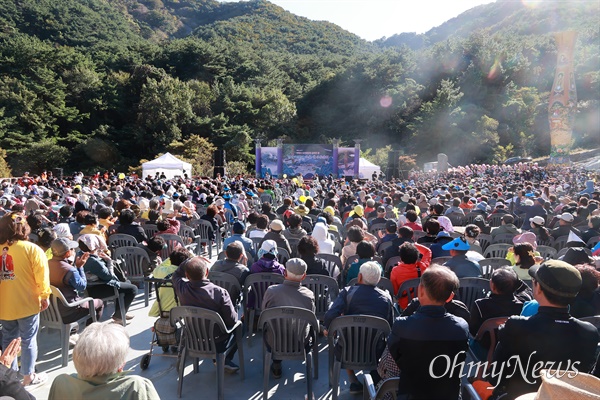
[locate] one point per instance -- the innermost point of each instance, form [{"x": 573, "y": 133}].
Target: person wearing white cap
[{"x": 565, "y": 226}]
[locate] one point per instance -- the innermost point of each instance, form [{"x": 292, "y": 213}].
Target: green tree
[
  {"x": 196, "y": 150},
  {"x": 380, "y": 157},
  {"x": 5, "y": 170},
  {"x": 40, "y": 156}
]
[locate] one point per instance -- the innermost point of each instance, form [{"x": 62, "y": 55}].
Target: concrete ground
[{"x": 163, "y": 374}]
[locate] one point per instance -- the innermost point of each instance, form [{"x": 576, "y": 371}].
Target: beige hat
[
  {"x": 276, "y": 225},
  {"x": 560, "y": 385}
]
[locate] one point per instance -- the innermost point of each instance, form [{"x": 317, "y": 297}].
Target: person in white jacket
[{"x": 320, "y": 233}]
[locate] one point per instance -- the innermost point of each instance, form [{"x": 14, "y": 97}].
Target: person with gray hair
[
  {"x": 289, "y": 294},
  {"x": 99, "y": 357},
  {"x": 363, "y": 298}
]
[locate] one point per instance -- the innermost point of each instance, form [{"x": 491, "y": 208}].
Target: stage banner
[
  {"x": 307, "y": 159},
  {"x": 268, "y": 160},
  {"x": 346, "y": 161}
]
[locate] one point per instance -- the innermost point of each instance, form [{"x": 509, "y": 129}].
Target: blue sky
[{"x": 373, "y": 19}]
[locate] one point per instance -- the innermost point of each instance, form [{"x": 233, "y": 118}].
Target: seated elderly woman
[{"x": 99, "y": 357}]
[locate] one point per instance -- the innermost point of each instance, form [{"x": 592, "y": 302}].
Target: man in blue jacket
[{"x": 426, "y": 344}]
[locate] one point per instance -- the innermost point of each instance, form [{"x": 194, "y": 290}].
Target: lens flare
[
  {"x": 385, "y": 101},
  {"x": 531, "y": 3},
  {"x": 494, "y": 71}
]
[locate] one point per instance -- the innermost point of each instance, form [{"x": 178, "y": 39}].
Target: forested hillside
[{"x": 97, "y": 84}]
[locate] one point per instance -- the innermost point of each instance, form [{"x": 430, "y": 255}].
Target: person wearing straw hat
[
  {"x": 559, "y": 385},
  {"x": 552, "y": 338}
]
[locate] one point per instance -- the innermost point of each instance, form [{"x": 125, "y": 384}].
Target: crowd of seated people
[{"x": 71, "y": 221}]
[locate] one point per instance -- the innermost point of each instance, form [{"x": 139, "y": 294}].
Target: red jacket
[{"x": 403, "y": 272}]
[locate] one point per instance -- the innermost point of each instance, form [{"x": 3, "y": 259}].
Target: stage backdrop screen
[
  {"x": 268, "y": 161},
  {"x": 345, "y": 161},
  {"x": 307, "y": 159}
]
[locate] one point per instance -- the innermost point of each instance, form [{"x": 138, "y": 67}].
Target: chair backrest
[
  {"x": 221, "y": 256},
  {"x": 256, "y": 243},
  {"x": 227, "y": 282},
  {"x": 172, "y": 242},
  {"x": 294, "y": 246},
  {"x": 440, "y": 260},
  {"x": 418, "y": 235},
  {"x": 51, "y": 317},
  {"x": 547, "y": 252},
  {"x": 469, "y": 218},
  {"x": 202, "y": 228},
  {"x": 496, "y": 220},
  {"x": 258, "y": 284},
  {"x": 488, "y": 265},
  {"x": 388, "y": 389},
  {"x": 476, "y": 248},
  {"x": 200, "y": 326},
  {"x": 594, "y": 320},
  {"x": 120, "y": 240},
  {"x": 593, "y": 241},
  {"x": 391, "y": 263},
  {"x": 358, "y": 337},
  {"x": 410, "y": 288},
  {"x": 150, "y": 229},
  {"x": 333, "y": 262},
  {"x": 561, "y": 242},
  {"x": 384, "y": 246},
  {"x": 187, "y": 232},
  {"x": 136, "y": 261},
  {"x": 377, "y": 228},
  {"x": 490, "y": 326},
  {"x": 350, "y": 260},
  {"x": 287, "y": 327},
  {"x": 497, "y": 250},
  {"x": 547, "y": 242},
  {"x": 282, "y": 255},
  {"x": 472, "y": 289},
  {"x": 484, "y": 240},
  {"x": 456, "y": 219},
  {"x": 325, "y": 289},
  {"x": 506, "y": 238}
]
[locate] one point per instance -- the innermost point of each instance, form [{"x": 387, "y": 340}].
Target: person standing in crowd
[{"x": 24, "y": 293}]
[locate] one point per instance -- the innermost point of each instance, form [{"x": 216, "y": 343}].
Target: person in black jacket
[
  {"x": 308, "y": 248},
  {"x": 552, "y": 338},
  {"x": 422, "y": 343}
]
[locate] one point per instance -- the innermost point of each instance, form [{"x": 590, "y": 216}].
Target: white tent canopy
[
  {"x": 167, "y": 164},
  {"x": 366, "y": 169}
]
